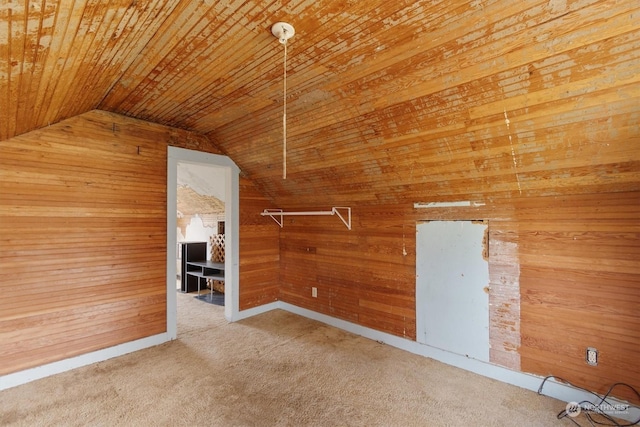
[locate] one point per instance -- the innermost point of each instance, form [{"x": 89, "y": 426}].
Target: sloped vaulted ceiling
[{"x": 388, "y": 101}]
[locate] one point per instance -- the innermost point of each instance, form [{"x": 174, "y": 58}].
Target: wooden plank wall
[
  {"x": 259, "y": 250},
  {"x": 580, "y": 287},
  {"x": 83, "y": 237},
  {"x": 362, "y": 275},
  {"x": 564, "y": 275}
]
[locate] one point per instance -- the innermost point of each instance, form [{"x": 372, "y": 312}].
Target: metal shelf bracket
[{"x": 278, "y": 215}]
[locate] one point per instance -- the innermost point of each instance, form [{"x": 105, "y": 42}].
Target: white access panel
[{"x": 452, "y": 306}]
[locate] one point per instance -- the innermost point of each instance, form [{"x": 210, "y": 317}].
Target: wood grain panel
[
  {"x": 70, "y": 293},
  {"x": 83, "y": 225},
  {"x": 563, "y": 276},
  {"x": 478, "y": 100},
  {"x": 457, "y": 94},
  {"x": 580, "y": 286},
  {"x": 259, "y": 249},
  {"x": 529, "y": 107},
  {"x": 504, "y": 295},
  {"x": 361, "y": 275}
]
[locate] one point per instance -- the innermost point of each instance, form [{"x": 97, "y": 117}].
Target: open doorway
[
  {"x": 229, "y": 171},
  {"x": 200, "y": 231}
]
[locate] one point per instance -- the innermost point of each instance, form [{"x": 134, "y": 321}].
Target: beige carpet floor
[{"x": 275, "y": 369}]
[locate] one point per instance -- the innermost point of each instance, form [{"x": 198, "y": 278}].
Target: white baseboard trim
[
  {"x": 552, "y": 388},
  {"x": 22, "y": 377},
  {"x": 244, "y": 314}
]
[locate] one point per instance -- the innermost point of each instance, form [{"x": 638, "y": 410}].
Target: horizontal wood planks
[
  {"x": 504, "y": 295},
  {"x": 83, "y": 237},
  {"x": 529, "y": 107},
  {"x": 83, "y": 207},
  {"x": 477, "y": 101},
  {"x": 580, "y": 287},
  {"x": 364, "y": 275},
  {"x": 564, "y": 275},
  {"x": 388, "y": 102},
  {"x": 259, "y": 250}
]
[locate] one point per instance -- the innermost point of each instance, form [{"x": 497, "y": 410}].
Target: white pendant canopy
[{"x": 284, "y": 31}]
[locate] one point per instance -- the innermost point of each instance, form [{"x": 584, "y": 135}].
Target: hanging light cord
[{"x": 284, "y": 114}]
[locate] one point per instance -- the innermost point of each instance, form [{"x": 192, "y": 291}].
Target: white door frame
[{"x": 232, "y": 226}]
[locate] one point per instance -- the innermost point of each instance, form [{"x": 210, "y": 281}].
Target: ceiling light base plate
[{"x": 283, "y": 31}]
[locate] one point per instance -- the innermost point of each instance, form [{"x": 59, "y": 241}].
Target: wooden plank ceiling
[{"x": 388, "y": 101}]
